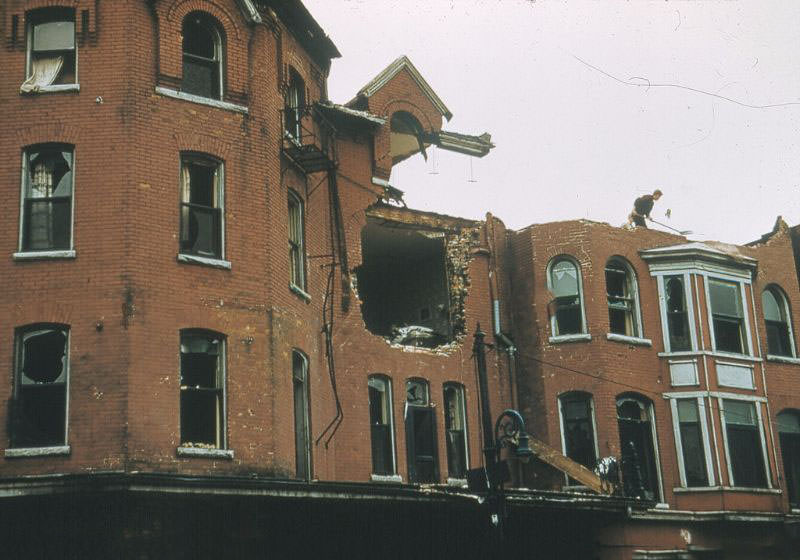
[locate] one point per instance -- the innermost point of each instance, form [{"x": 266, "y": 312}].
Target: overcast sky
[{"x": 574, "y": 142}]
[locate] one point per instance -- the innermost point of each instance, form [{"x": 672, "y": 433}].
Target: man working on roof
[{"x": 642, "y": 207}]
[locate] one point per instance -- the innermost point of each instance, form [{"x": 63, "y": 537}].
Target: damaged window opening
[
  {"x": 201, "y": 206},
  {"x": 421, "y": 445},
  {"x": 744, "y": 443},
  {"x": 407, "y": 137},
  {"x": 51, "y": 55},
  {"x": 677, "y": 316},
  {"x": 455, "y": 424},
  {"x": 622, "y": 305},
  {"x": 202, "y": 56},
  {"x": 39, "y": 407},
  {"x": 637, "y": 448},
  {"x": 381, "y": 425},
  {"x": 403, "y": 284},
  {"x": 565, "y": 284},
  {"x": 302, "y": 437},
  {"x": 294, "y": 106},
  {"x": 202, "y": 390},
  {"x": 577, "y": 413},
  {"x": 47, "y": 206}
]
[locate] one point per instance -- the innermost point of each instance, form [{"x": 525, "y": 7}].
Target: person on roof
[{"x": 642, "y": 207}]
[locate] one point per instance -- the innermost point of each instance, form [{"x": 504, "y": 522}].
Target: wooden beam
[{"x": 573, "y": 469}]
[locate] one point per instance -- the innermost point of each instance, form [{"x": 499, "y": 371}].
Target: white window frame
[
  {"x": 390, "y": 397},
  {"x": 30, "y": 23},
  {"x": 462, "y": 392},
  {"x": 219, "y": 53},
  {"x": 778, "y": 293},
  {"x": 746, "y": 335},
  {"x": 632, "y": 282},
  {"x": 688, "y": 302},
  {"x": 561, "y": 425},
  {"x": 701, "y": 412},
  {"x": 756, "y": 401},
  {"x": 649, "y": 409},
  {"x": 299, "y": 204},
  {"x": 555, "y": 336}
]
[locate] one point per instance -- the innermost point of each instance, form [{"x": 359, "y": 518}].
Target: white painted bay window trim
[
  {"x": 756, "y": 401},
  {"x": 688, "y": 302},
  {"x": 747, "y": 341},
  {"x": 701, "y": 411}
]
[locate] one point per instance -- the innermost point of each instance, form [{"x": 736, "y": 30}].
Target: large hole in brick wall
[{"x": 403, "y": 284}]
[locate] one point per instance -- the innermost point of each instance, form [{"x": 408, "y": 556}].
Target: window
[
  {"x": 637, "y": 445},
  {"x": 727, "y": 316},
  {"x": 202, "y": 202},
  {"x": 677, "y": 315},
  {"x": 47, "y": 198},
  {"x": 776, "y": 317},
  {"x": 294, "y": 106},
  {"x": 623, "y": 312},
  {"x": 565, "y": 284},
  {"x": 381, "y": 422},
  {"x": 577, "y": 417},
  {"x": 789, "y": 432},
  {"x": 744, "y": 444},
  {"x": 39, "y": 406},
  {"x": 302, "y": 437},
  {"x": 51, "y": 59},
  {"x": 423, "y": 462},
  {"x": 202, "y": 56},
  {"x": 455, "y": 424},
  {"x": 202, "y": 390},
  {"x": 691, "y": 439},
  {"x": 297, "y": 273}
]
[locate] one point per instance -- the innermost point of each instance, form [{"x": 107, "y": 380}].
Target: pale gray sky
[{"x": 573, "y": 142}]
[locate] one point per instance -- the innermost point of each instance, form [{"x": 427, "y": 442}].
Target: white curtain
[{"x": 44, "y": 72}]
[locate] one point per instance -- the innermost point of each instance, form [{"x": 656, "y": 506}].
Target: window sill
[
  {"x": 783, "y": 359},
  {"x": 457, "y": 482},
  {"x": 53, "y": 89},
  {"x": 569, "y": 338},
  {"x": 393, "y": 478},
  {"x": 629, "y": 339},
  {"x": 682, "y": 490},
  {"x": 19, "y": 452},
  {"x": 713, "y": 354},
  {"x": 205, "y": 453},
  {"x": 43, "y": 255},
  {"x": 202, "y": 100},
  {"x": 195, "y": 259},
  {"x": 300, "y": 292}
]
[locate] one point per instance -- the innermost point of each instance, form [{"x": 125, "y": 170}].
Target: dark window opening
[
  {"x": 381, "y": 425},
  {"x": 38, "y": 411},
  {"x": 578, "y": 430},
  {"x": 302, "y": 437},
  {"x": 728, "y": 317},
  {"x": 294, "y": 106},
  {"x": 47, "y": 208},
  {"x": 789, "y": 431},
  {"x": 202, "y": 382},
  {"x": 404, "y": 271},
  {"x": 201, "y": 207},
  {"x": 565, "y": 286},
  {"x": 455, "y": 423},
  {"x": 202, "y": 56},
  {"x": 744, "y": 444},
  {"x": 423, "y": 462},
  {"x": 621, "y": 295},
  {"x": 407, "y": 136},
  {"x": 777, "y": 323},
  {"x": 677, "y": 316},
  {"x": 639, "y": 469},
  {"x": 51, "y": 48},
  {"x": 694, "y": 455}
]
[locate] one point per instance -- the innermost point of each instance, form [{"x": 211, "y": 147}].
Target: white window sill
[
  {"x": 202, "y": 100},
  {"x": 42, "y": 255},
  {"x": 783, "y": 359},
  {"x": 300, "y": 292},
  {"x": 731, "y": 355},
  {"x": 457, "y": 482},
  {"x": 681, "y": 490},
  {"x": 629, "y": 339},
  {"x": 661, "y": 505},
  {"x": 205, "y": 452},
  {"x": 714, "y": 354},
  {"x": 196, "y": 259},
  {"x": 394, "y": 478},
  {"x": 570, "y": 338},
  {"x": 53, "y": 89},
  {"x": 37, "y": 451}
]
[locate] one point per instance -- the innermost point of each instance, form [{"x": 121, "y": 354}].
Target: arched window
[
  {"x": 789, "y": 431},
  {"x": 302, "y": 429},
  {"x": 577, "y": 428},
  {"x": 623, "y": 299},
  {"x": 564, "y": 281},
  {"x": 637, "y": 446},
  {"x": 294, "y": 106},
  {"x": 202, "y": 56},
  {"x": 776, "y": 317}
]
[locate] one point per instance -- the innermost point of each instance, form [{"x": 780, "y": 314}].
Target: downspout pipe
[{"x": 511, "y": 350}]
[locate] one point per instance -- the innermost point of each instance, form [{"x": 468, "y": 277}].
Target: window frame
[
  {"x": 745, "y": 333},
  {"x": 295, "y": 85},
  {"x": 631, "y": 284},
  {"x": 756, "y": 404},
  {"x": 38, "y": 16},
  {"x": 297, "y": 247},
  {"x": 783, "y": 306},
  {"x": 218, "y": 37},
  {"x": 305, "y": 387},
  {"x": 647, "y": 407},
  {"x": 688, "y": 301},
  {"x": 556, "y": 335},
  {"x": 427, "y": 408},
  {"x": 562, "y": 427},
  {"x": 703, "y": 421},
  {"x": 388, "y": 395},
  {"x": 791, "y": 481},
  {"x": 24, "y": 219},
  {"x": 19, "y": 340},
  {"x": 196, "y": 158},
  {"x": 461, "y": 391},
  {"x": 221, "y": 378}
]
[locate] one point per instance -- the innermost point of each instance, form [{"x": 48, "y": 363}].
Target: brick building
[{"x": 180, "y": 383}]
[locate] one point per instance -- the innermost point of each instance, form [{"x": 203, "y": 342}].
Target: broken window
[
  {"x": 407, "y": 136},
  {"x": 381, "y": 425},
  {"x": 727, "y": 315},
  {"x": 294, "y": 105},
  {"x": 51, "y": 59},
  {"x": 577, "y": 414},
  {"x": 789, "y": 431},
  {"x": 39, "y": 407},
  {"x": 201, "y": 206},
  {"x": 639, "y": 468},
  {"x": 421, "y": 445},
  {"x": 47, "y": 193},
  {"x": 692, "y": 442},
  {"x": 455, "y": 424},
  {"x": 744, "y": 444},
  {"x": 776, "y": 317},
  {"x": 302, "y": 437},
  {"x": 565, "y": 284},
  {"x": 297, "y": 274},
  {"x": 202, "y": 389},
  {"x": 623, "y": 312},
  {"x": 403, "y": 284},
  {"x": 677, "y": 316},
  {"x": 202, "y": 56}
]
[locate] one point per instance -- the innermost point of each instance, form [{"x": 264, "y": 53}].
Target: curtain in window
[{"x": 44, "y": 72}]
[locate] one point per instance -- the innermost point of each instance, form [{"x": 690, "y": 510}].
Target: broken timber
[{"x": 572, "y": 468}]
